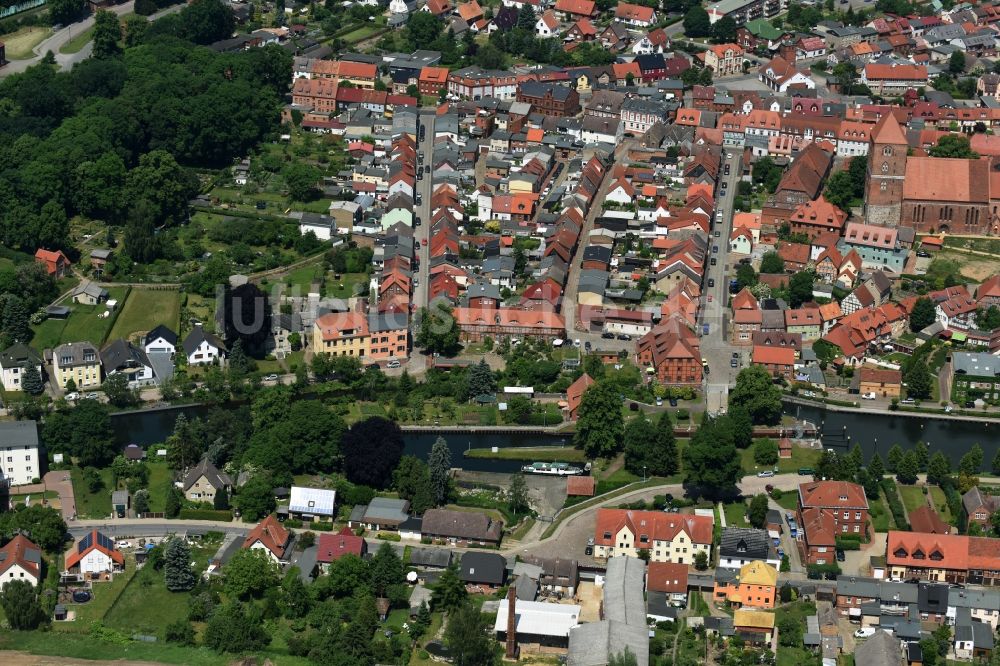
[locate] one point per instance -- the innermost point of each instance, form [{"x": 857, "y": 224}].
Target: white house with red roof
[
  {"x": 635, "y": 15},
  {"x": 271, "y": 537},
  {"x": 547, "y": 24},
  {"x": 668, "y": 537},
  {"x": 95, "y": 554},
  {"x": 621, "y": 192},
  {"x": 20, "y": 559}
]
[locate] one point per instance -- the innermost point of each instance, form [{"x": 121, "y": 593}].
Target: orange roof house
[
  {"x": 95, "y": 553},
  {"x": 56, "y": 263},
  {"x": 621, "y": 71},
  {"x": 270, "y": 536},
  {"x": 634, "y": 13},
  {"x": 576, "y": 8},
  {"x": 574, "y": 394},
  {"x": 926, "y": 520},
  {"x": 668, "y": 577},
  {"x": 945, "y": 557},
  {"x": 778, "y": 361},
  {"x": 22, "y": 553}
]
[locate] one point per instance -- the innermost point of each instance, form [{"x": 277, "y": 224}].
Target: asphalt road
[
  {"x": 59, "y": 39},
  {"x": 715, "y": 347}
]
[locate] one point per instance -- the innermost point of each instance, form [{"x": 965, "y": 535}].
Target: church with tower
[{"x": 929, "y": 194}]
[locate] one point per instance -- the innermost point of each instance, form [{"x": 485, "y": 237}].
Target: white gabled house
[{"x": 203, "y": 348}]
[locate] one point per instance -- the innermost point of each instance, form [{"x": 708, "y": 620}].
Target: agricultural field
[
  {"x": 84, "y": 324},
  {"x": 144, "y": 310}
]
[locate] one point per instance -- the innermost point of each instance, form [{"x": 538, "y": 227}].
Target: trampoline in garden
[{"x": 82, "y": 596}]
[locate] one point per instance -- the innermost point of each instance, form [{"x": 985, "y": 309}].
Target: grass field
[
  {"x": 940, "y": 503},
  {"x": 160, "y": 478},
  {"x": 800, "y": 458},
  {"x": 736, "y": 514},
  {"x": 974, "y": 266},
  {"x": 20, "y": 43},
  {"x": 798, "y": 610},
  {"x": 913, "y": 497},
  {"x": 881, "y": 518},
  {"x": 82, "y": 325},
  {"x": 146, "y": 606},
  {"x": 78, "y": 41},
  {"x": 540, "y": 454},
  {"x": 91, "y": 505},
  {"x": 145, "y": 309}
]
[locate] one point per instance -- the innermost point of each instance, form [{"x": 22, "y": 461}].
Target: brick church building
[{"x": 930, "y": 194}]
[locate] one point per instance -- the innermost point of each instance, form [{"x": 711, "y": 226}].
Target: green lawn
[
  {"x": 799, "y": 611},
  {"x": 78, "y": 41},
  {"x": 913, "y": 497},
  {"x": 145, "y": 309},
  {"x": 82, "y": 325},
  {"x": 736, "y": 514},
  {"x": 531, "y": 454},
  {"x": 91, "y": 505},
  {"x": 940, "y": 503},
  {"x": 881, "y": 518},
  {"x": 80, "y": 646},
  {"x": 800, "y": 458},
  {"x": 789, "y": 500},
  {"x": 160, "y": 478},
  {"x": 146, "y": 606}
]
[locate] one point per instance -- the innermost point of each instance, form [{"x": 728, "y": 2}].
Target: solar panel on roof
[
  {"x": 105, "y": 541},
  {"x": 86, "y": 542}
]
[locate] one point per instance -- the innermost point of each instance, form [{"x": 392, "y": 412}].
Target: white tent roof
[{"x": 540, "y": 618}]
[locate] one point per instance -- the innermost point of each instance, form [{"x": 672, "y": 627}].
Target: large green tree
[
  {"x": 772, "y": 262},
  {"x": 756, "y": 392},
  {"x": 600, "y": 428},
  {"x": 177, "y": 572},
  {"x": 468, "y": 638},
  {"x": 107, "y": 34},
  {"x": 250, "y": 573},
  {"x": 236, "y": 628},
  {"x": 640, "y": 442},
  {"x": 372, "y": 449},
  {"x": 255, "y": 498},
  {"x": 697, "y": 23},
  {"x": 83, "y": 432},
  {"x": 918, "y": 381},
  {"x": 439, "y": 464},
  {"x": 711, "y": 462},
  {"x": 207, "y": 21},
  {"x": 438, "y": 331},
  {"x": 21, "y": 605},
  {"x": 922, "y": 315}
]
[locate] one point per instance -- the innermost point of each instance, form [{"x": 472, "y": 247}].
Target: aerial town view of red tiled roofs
[{"x": 507, "y": 331}]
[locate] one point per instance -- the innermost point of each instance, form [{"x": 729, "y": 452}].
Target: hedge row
[
  {"x": 205, "y": 514},
  {"x": 895, "y": 504}
]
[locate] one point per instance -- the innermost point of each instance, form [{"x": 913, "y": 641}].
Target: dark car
[
  {"x": 623, "y": 336},
  {"x": 633, "y": 406},
  {"x": 713, "y": 261},
  {"x": 841, "y": 555},
  {"x": 608, "y": 336},
  {"x": 673, "y": 402},
  {"x": 711, "y": 282},
  {"x": 587, "y": 345},
  {"x": 589, "y": 550}
]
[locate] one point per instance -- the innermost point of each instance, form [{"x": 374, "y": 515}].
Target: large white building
[{"x": 19, "y": 451}]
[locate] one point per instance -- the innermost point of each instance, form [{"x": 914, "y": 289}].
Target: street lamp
[{"x": 644, "y": 474}]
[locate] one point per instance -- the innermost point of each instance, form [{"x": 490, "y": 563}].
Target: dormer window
[
  {"x": 937, "y": 555},
  {"x": 918, "y": 554},
  {"x": 899, "y": 552}
]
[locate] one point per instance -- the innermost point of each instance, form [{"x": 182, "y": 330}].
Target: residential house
[
  {"x": 669, "y": 579},
  {"x": 755, "y": 627},
  {"x": 122, "y": 357},
  {"x": 827, "y": 509},
  {"x": 893, "y": 79},
  {"x": 332, "y": 547},
  {"x": 878, "y": 247},
  {"x": 746, "y": 318},
  {"x": 22, "y": 464},
  {"x": 669, "y": 537},
  {"x": 805, "y": 321},
  {"x": 483, "y": 571},
  {"x": 56, "y": 263},
  {"x": 777, "y": 361},
  {"x": 20, "y": 559},
  {"x": 461, "y": 527},
  {"x": 753, "y": 587},
  {"x": 637, "y": 16},
  {"x": 813, "y": 218},
  {"x": 724, "y": 60},
  {"x": 311, "y": 504},
  {"x": 161, "y": 340},
  {"x": 204, "y": 481},
  {"x": 14, "y": 361},
  {"x": 549, "y": 99},
  {"x": 79, "y": 361},
  {"x": 670, "y": 354},
  {"x": 94, "y": 555},
  {"x": 89, "y": 293},
  {"x": 203, "y": 348},
  {"x": 742, "y": 545},
  {"x": 342, "y": 334},
  {"x": 381, "y": 514},
  {"x": 270, "y": 537},
  {"x": 979, "y": 507},
  {"x": 945, "y": 558},
  {"x": 574, "y": 394},
  {"x": 881, "y": 382}
]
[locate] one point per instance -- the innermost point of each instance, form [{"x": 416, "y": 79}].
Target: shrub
[
  {"x": 388, "y": 536},
  {"x": 895, "y": 504},
  {"x": 205, "y": 514}
]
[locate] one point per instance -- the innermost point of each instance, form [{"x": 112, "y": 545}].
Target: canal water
[
  {"x": 879, "y": 432},
  {"x": 147, "y": 428},
  {"x": 839, "y": 431}
]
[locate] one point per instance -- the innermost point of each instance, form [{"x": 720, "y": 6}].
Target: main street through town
[{"x": 715, "y": 348}]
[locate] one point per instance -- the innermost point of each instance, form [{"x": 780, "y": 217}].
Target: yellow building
[
  {"x": 79, "y": 361},
  {"x": 342, "y": 334},
  {"x": 754, "y": 626}
]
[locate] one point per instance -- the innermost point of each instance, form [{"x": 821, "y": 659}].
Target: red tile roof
[
  {"x": 578, "y": 7},
  {"x": 773, "y": 355},
  {"x": 21, "y": 551},
  {"x": 658, "y": 526},
  {"x": 670, "y": 577},
  {"x": 583, "y": 486},
  {"x": 74, "y": 558},
  {"x": 271, "y": 534},
  {"x": 926, "y": 520},
  {"x": 331, "y": 547},
  {"x": 832, "y": 494}
]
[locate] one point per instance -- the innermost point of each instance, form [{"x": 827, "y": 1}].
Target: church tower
[{"x": 886, "y": 171}]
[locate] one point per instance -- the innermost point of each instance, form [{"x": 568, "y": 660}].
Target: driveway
[{"x": 60, "y": 482}]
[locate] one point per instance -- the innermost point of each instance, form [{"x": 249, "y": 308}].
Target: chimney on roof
[{"x": 511, "y": 623}]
